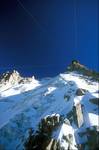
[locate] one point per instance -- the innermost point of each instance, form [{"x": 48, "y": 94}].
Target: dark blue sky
[{"x": 41, "y": 37}]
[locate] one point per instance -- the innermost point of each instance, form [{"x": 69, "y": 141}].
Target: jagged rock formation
[
  {"x": 11, "y": 77},
  {"x": 76, "y": 66},
  {"x": 14, "y": 77},
  {"x": 43, "y": 138},
  {"x": 48, "y": 123}
]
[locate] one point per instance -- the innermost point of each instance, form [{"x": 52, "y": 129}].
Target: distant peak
[
  {"x": 8, "y": 74},
  {"x": 12, "y": 77}
]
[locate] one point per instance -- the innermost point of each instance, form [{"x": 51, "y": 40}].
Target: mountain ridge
[
  {"x": 54, "y": 114},
  {"x": 74, "y": 66}
]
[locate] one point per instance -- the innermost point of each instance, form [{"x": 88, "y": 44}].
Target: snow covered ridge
[{"x": 57, "y": 113}]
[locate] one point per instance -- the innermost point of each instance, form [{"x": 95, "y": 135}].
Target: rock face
[
  {"x": 53, "y": 145},
  {"x": 94, "y": 101},
  {"x": 49, "y": 123},
  {"x": 43, "y": 139},
  {"x": 78, "y": 115},
  {"x": 80, "y": 92},
  {"x": 93, "y": 137}
]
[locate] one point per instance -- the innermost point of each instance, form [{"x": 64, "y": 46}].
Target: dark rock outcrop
[
  {"x": 92, "y": 134},
  {"x": 67, "y": 97},
  {"x": 93, "y": 137},
  {"x": 53, "y": 145},
  {"x": 49, "y": 123},
  {"x": 70, "y": 116},
  {"x": 76, "y": 66},
  {"x": 42, "y": 139},
  {"x": 94, "y": 101},
  {"x": 80, "y": 92}
]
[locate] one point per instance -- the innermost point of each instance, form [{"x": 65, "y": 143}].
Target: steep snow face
[{"x": 24, "y": 104}]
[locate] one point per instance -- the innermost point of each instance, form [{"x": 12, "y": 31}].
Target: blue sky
[{"x": 42, "y": 37}]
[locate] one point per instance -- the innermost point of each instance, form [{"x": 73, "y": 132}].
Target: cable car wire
[{"x": 30, "y": 14}]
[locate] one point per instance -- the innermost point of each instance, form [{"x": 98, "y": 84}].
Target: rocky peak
[
  {"x": 11, "y": 77},
  {"x": 76, "y": 66},
  {"x": 44, "y": 139}
]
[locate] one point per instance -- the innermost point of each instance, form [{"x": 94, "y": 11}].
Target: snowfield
[{"x": 23, "y": 105}]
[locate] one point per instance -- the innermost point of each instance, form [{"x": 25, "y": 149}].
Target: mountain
[{"x": 59, "y": 113}]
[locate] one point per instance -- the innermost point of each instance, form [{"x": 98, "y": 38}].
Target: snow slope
[{"x": 23, "y": 105}]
